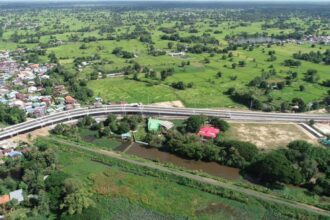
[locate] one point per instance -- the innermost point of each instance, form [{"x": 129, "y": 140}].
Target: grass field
[
  {"x": 150, "y": 195},
  {"x": 91, "y": 137},
  {"x": 155, "y": 195}
]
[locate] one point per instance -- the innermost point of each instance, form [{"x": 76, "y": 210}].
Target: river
[{"x": 211, "y": 168}]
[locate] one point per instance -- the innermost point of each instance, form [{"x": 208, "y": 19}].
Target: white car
[{"x": 135, "y": 104}]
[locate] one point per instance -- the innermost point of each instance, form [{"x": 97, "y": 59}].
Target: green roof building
[{"x": 155, "y": 125}]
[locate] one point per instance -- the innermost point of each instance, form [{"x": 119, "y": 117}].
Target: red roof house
[
  {"x": 69, "y": 100},
  {"x": 4, "y": 199},
  {"x": 209, "y": 132}
]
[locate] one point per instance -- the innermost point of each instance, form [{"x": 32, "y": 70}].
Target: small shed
[
  {"x": 126, "y": 136},
  {"x": 15, "y": 154},
  {"x": 155, "y": 124},
  {"x": 17, "y": 194}
]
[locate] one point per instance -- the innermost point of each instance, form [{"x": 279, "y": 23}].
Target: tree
[
  {"x": 83, "y": 47},
  {"x": 245, "y": 149},
  {"x": 43, "y": 203},
  {"x": 273, "y": 168},
  {"x": 322, "y": 186},
  {"x": 241, "y": 63},
  {"x": 123, "y": 127},
  {"x": 300, "y": 103},
  {"x": 86, "y": 122},
  {"x": 291, "y": 63},
  {"x": 301, "y": 88},
  {"x": 76, "y": 197},
  {"x": 54, "y": 185},
  {"x": 110, "y": 119},
  {"x": 311, "y": 76},
  {"x": 193, "y": 123},
  {"x": 308, "y": 169},
  {"x": 154, "y": 140},
  {"x": 218, "y": 123},
  {"x": 179, "y": 85},
  {"x": 219, "y": 74},
  {"x": 284, "y": 106},
  {"x": 52, "y": 58}
]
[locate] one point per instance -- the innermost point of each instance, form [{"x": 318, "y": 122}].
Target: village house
[
  {"x": 69, "y": 100},
  {"x": 17, "y": 195},
  {"x": 208, "y": 132},
  {"x": 60, "y": 90},
  {"x": 177, "y": 54}
]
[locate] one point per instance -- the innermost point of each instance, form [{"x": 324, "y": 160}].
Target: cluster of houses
[
  {"x": 29, "y": 98},
  {"x": 308, "y": 39},
  {"x": 317, "y": 39},
  {"x": 9, "y": 149}
]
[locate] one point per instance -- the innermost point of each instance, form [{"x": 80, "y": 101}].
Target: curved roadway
[{"x": 155, "y": 110}]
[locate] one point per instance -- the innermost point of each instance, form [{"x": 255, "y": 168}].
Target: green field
[
  {"x": 73, "y": 31},
  {"x": 208, "y": 91},
  {"x": 119, "y": 192}
]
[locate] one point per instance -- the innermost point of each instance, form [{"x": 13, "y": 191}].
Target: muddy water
[{"x": 165, "y": 157}]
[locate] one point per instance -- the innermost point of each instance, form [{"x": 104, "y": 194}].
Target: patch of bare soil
[
  {"x": 29, "y": 137},
  {"x": 319, "y": 111},
  {"x": 214, "y": 208},
  {"x": 177, "y": 104},
  {"x": 269, "y": 136}
]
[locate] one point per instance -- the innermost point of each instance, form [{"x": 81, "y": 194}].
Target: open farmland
[
  {"x": 222, "y": 59},
  {"x": 208, "y": 90}
]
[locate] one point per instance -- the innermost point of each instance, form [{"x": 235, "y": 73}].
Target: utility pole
[{"x": 251, "y": 103}]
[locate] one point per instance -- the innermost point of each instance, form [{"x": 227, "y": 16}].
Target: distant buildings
[
  {"x": 28, "y": 97},
  {"x": 177, "y": 54}
]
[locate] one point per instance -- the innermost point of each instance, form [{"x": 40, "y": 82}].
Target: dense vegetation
[
  {"x": 301, "y": 163},
  {"x": 48, "y": 191},
  {"x": 11, "y": 115},
  {"x": 120, "y": 188}
]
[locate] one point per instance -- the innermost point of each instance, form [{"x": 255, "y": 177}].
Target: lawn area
[
  {"x": 119, "y": 208},
  {"x": 78, "y": 166},
  {"x": 91, "y": 137},
  {"x": 267, "y": 136}
]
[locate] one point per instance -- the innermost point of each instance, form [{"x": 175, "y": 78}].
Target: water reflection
[{"x": 212, "y": 168}]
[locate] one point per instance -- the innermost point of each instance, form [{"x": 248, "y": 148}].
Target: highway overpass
[{"x": 158, "y": 111}]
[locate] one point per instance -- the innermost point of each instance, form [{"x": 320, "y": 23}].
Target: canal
[{"x": 211, "y": 168}]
